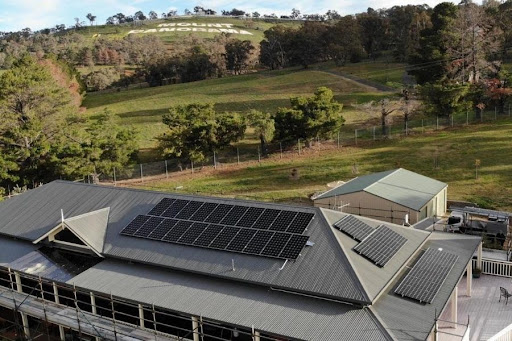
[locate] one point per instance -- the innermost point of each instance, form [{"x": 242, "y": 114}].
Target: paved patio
[{"x": 487, "y": 316}]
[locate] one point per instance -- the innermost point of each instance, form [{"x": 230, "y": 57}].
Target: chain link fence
[{"x": 347, "y": 136}]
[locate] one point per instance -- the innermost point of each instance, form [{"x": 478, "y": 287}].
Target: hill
[
  {"x": 252, "y": 28},
  {"x": 456, "y": 152},
  {"x": 266, "y": 91}
]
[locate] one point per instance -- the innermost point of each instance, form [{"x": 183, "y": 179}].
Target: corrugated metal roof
[
  {"x": 322, "y": 269},
  {"x": 407, "y": 319},
  {"x": 239, "y": 304},
  {"x": 372, "y": 277},
  {"x": 11, "y": 250},
  {"x": 90, "y": 227},
  {"x": 401, "y": 186}
]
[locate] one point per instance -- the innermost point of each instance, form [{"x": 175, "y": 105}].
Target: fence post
[
  {"x": 259, "y": 154},
  {"x": 237, "y": 156},
  {"x": 115, "y": 180},
  {"x": 355, "y": 135},
  {"x": 495, "y": 113},
  {"x": 338, "y": 140},
  {"x": 452, "y": 121},
  {"x": 422, "y": 128},
  {"x": 509, "y": 110},
  {"x": 467, "y": 117},
  {"x": 192, "y": 165},
  {"x": 281, "y": 149},
  {"x": 298, "y": 145},
  {"x": 141, "y": 176},
  {"x": 214, "y": 161},
  {"x": 437, "y": 122},
  {"x": 406, "y": 128},
  {"x": 166, "y": 170},
  {"x": 374, "y": 133}
]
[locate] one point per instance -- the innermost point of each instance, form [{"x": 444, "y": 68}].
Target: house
[
  {"x": 388, "y": 196},
  {"x": 97, "y": 262}
]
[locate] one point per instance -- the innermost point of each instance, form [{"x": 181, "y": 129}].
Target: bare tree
[{"x": 91, "y": 18}]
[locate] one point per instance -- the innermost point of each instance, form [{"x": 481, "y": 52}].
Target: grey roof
[
  {"x": 407, "y": 319},
  {"x": 401, "y": 186},
  {"x": 10, "y": 250},
  {"x": 322, "y": 270},
  {"x": 239, "y": 304},
  {"x": 373, "y": 278}
]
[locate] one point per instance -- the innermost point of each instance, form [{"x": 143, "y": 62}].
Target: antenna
[
  {"x": 233, "y": 264},
  {"x": 62, "y": 216},
  {"x": 281, "y": 268}
]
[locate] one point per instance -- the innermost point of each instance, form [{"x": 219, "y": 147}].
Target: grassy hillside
[
  {"x": 456, "y": 150},
  {"x": 256, "y": 28},
  {"x": 265, "y": 91}
]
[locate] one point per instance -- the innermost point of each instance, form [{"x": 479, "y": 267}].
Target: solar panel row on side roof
[
  {"x": 213, "y": 236},
  {"x": 354, "y": 227},
  {"x": 427, "y": 276},
  {"x": 381, "y": 245}
]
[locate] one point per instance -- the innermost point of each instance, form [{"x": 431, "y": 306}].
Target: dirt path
[{"x": 370, "y": 85}]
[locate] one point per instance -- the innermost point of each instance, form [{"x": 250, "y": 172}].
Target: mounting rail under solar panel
[
  {"x": 427, "y": 276},
  {"x": 381, "y": 245},
  {"x": 354, "y": 227}
]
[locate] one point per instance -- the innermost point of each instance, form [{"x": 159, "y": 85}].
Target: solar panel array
[
  {"x": 244, "y": 229},
  {"x": 427, "y": 276},
  {"x": 381, "y": 245},
  {"x": 354, "y": 227}
]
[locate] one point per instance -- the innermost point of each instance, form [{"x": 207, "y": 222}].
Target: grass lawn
[
  {"x": 267, "y": 91},
  {"x": 457, "y": 151}
]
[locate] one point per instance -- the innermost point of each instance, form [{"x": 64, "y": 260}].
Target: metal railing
[{"x": 495, "y": 267}]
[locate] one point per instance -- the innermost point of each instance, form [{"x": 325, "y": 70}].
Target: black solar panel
[
  {"x": 219, "y": 213},
  {"x": 276, "y": 244},
  {"x": 283, "y": 220},
  {"x": 354, "y": 227},
  {"x": 381, "y": 245},
  {"x": 177, "y": 231},
  {"x": 234, "y": 215},
  {"x": 234, "y": 228},
  {"x": 134, "y": 225},
  {"x": 258, "y": 242},
  {"x": 241, "y": 240},
  {"x": 148, "y": 227},
  {"x": 294, "y": 246},
  {"x": 266, "y": 219},
  {"x": 250, "y": 217},
  {"x": 189, "y": 210},
  {"x": 203, "y": 212},
  {"x": 175, "y": 208},
  {"x": 206, "y": 238},
  {"x": 300, "y": 223},
  {"x": 162, "y": 229},
  {"x": 161, "y": 206},
  {"x": 224, "y": 237},
  {"x": 427, "y": 276},
  {"x": 192, "y": 233}
]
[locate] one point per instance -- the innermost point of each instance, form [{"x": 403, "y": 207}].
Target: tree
[
  {"x": 196, "y": 131},
  {"x": 430, "y": 60},
  {"x": 153, "y": 15},
  {"x": 295, "y": 13},
  {"x": 91, "y": 18},
  {"x": 307, "y": 45},
  {"x": 473, "y": 44},
  {"x": 187, "y": 12},
  {"x": 33, "y": 107},
  {"x": 238, "y": 53},
  {"x": 139, "y": 16},
  {"x": 309, "y": 117},
  {"x": 445, "y": 99},
  {"x": 99, "y": 148},
  {"x": 256, "y": 15},
  {"x": 264, "y": 126},
  {"x": 373, "y": 32},
  {"x": 274, "y": 47},
  {"x": 344, "y": 43}
]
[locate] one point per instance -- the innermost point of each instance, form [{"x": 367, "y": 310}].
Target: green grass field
[
  {"x": 457, "y": 151},
  {"x": 256, "y": 28},
  {"x": 267, "y": 91}
]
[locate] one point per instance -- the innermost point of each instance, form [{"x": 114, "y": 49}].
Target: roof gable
[{"x": 90, "y": 227}]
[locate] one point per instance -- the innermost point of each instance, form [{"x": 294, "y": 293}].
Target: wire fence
[{"x": 347, "y": 136}]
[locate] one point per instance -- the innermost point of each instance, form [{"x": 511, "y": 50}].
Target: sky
[{"x": 37, "y": 14}]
